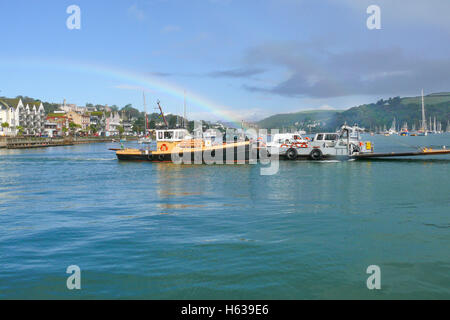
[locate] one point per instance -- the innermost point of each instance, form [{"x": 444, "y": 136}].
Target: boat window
[
  {"x": 296, "y": 137},
  {"x": 330, "y": 137},
  {"x": 160, "y": 135},
  {"x": 168, "y": 134},
  {"x": 319, "y": 137}
]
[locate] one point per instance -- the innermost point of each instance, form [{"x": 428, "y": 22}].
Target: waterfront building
[
  {"x": 61, "y": 122},
  {"x": 5, "y": 126},
  {"x": 127, "y": 128},
  {"x": 28, "y": 119},
  {"x": 50, "y": 129},
  {"x": 85, "y": 121},
  {"x": 112, "y": 123}
]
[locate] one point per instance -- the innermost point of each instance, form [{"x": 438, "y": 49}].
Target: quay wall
[
  {"x": 34, "y": 142},
  {"x": 3, "y": 141}
]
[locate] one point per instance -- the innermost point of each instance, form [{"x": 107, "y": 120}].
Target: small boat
[
  {"x": 145, "y": 140},
  {"x": 404, "y": 131}
]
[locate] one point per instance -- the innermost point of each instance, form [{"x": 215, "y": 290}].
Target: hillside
[
  {"x": 300, "y": 120},
  {"x": 379, "y": 114}
]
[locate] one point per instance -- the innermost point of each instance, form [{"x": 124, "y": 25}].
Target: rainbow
[{"x": 144, "y": 81}]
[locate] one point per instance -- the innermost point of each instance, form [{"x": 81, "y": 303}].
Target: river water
[{"x": 154, "y": 231}]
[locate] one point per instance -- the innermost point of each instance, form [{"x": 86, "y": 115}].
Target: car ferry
[{"x": 178, "y": 146}]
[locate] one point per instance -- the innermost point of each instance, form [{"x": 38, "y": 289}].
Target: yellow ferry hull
[{"x": 230, "y": 152}]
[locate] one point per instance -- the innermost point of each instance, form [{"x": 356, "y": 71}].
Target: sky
[{"x": 235, "y": 59}]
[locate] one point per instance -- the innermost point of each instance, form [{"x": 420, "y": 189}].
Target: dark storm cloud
[
  {"x": 236, "y": 73},
  {"x": 324, "y": 74}
]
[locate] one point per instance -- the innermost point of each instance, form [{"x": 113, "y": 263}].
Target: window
[
  {"x": 168, "y": 135},
  {"x": 331, "y": 137},
  {"x": 160, "y": 135},
  {"x": 179, "y": 135},
  {"x": 320, "y": 137}
]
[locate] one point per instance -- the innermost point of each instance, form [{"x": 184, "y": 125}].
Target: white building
[
  {"x": 30, "y": 117},
  {"x": 112, "y": 124}
]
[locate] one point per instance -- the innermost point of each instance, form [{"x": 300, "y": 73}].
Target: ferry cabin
[{"x": 167, "y": 139}]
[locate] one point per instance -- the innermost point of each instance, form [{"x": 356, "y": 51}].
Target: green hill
[
  {"x": 299, "y": 120},
  {"x": 370, "y": 116}
]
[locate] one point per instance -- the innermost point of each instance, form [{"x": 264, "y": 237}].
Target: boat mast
[
  {"x": 162, "y": 113},
  {"x": 424, "y": 122},
  {"x": 145, "y": 112},
  {"x": 184, "y": 116}
]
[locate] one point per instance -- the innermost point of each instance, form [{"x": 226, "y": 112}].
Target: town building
[
  {"x": 15, "y": 118},
  {"x": 112, "y": 123},
  {"x": 81, "y": 119},
  {"x": 56, "y": 125},
  {"x": 71, "y": 107}
]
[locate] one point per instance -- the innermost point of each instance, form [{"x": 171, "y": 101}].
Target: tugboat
[{"x": 178, "y": 146}]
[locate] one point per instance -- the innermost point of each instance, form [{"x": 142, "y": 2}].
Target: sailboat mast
[
  {"x": 424, "y": 123},
  {"x": 184, "y": 116},
  {"x": 145, "y": 112}
]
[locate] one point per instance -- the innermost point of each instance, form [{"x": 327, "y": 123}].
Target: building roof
[{"x": 14, "y": 102}]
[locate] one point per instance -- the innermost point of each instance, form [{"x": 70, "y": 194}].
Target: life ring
[
  {"x": 284, "y": 145},
  {"x": 164, "y": 147},
  {"x": 303, "y": 145}
]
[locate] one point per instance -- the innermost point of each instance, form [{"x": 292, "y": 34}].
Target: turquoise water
[{"x": 142, "y": 230}]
